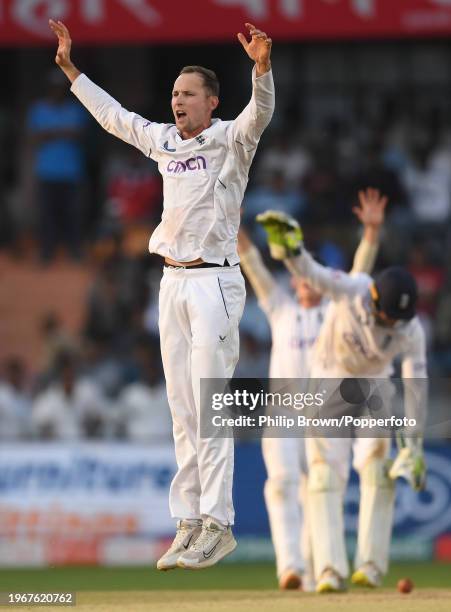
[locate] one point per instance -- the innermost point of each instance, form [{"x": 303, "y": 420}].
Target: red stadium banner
[{"x": 24, "y": 22}]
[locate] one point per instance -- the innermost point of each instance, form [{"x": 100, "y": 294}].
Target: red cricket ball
[{"x": 405, "y": 585}]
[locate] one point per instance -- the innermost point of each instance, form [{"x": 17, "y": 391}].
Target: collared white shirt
[
  {"x": 204, "y": 178},
  {"x": 351, "y": 344},
  {"x": 294, "y": 331}
]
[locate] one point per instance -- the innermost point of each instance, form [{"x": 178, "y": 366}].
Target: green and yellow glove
[
  {"x": 409, "y": 463},
  {"x": 285, "y": 238}
]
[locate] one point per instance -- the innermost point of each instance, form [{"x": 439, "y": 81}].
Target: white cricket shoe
[
  {"x": 188, "y": 531},
  {"x": 290, "y": 580},
  {"x": 213, "y": 544},
  {"x": 330, "y": 582},
  {"x": 308, "y": 583},
  {"x": 367, "y": 576}
]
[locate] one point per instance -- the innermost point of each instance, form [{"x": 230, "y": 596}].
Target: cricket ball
[{"x": 405, "y": 585}]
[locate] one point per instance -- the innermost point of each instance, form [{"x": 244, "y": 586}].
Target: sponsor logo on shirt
[{"x": 193, "y": 163}]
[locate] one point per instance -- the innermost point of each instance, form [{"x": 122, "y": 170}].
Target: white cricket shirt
[
  {"x": 350, "y": 342},
  {"x": 204, "y": 178},
  {"x": 294, "y": 331}
]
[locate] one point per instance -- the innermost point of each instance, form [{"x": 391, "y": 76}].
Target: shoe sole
[
  {"x": 162, "y": 567},
  {"x": 209, "y": 562}
]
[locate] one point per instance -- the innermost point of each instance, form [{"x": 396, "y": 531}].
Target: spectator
[
  {"x": 254, "y": 358},
  {"x": 327, "y": 202},
  {"x": 442, "y": 343},
  {"x": 7, "y": 226},
  {"x": 134, "y": 191},
  {"x": 108, "y": 308},
  {"x": 15, "y": 402},
  {"x": 127, "y": 269},
  {"x": 55, "y": 339},
  {"x": 56, "y": 126},
  {"x": 142, "y": 408},
  {"x": 71, "y": 408},
  {"x": 284, "y": 157},
  {"x": 430, "y": 278},
  {"x": 374, "y": 172},
  {"x": 274, "y": 194},
  {"x": 428, "y": 183},
  {"x": 107, "y": 368}
]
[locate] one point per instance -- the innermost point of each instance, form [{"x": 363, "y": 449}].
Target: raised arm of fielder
[
  {"x": 371, "y": 214},
  {"x": 250, "y": 123},
  {"x": 285, "y": 240},
  {"x": 141, "y": 133},
  {"x": 128, "y": 126},
  {"x": 254, "y": 268}
]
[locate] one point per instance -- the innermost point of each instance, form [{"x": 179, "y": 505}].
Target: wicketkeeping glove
[
  {"x": 284, "y": 234},
  {"x": 410, "y": 464}
]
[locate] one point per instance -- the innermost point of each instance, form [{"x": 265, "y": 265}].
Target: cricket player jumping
[
  {"x": 204, "y": 163},
  {"x": 295, "y": 326},
  {"x": 367, "y": 325}
]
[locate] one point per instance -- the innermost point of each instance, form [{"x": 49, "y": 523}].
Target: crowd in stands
[{"x": 108, "y": 382}]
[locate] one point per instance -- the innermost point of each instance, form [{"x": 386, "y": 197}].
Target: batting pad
[
  {"x": 377, "y": 496},
  {"x": 325, "y": 507}
]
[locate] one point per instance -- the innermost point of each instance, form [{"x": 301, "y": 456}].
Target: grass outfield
[
  {"x": 225, "y": 576},
  {"x": 224, "y": 588}
]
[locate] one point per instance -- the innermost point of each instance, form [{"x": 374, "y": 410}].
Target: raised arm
[
  {"x": 371, "y": 214},
  {"x": 63, "y": 58},
  {"x": 258, "y": 48},
  {"x": 330, "y": 282},
  {"x": 255, "y": 270},
  {"x": 248, "y": 127},
  {"x": 129, "y": 127},
  {"x": 285, "y": 241}
]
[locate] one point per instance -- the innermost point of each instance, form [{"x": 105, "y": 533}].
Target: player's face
[
  {"x": 384, "y": 320},
  {"x": 192, "y": 105},
  {"x": 307, "y": 296}
]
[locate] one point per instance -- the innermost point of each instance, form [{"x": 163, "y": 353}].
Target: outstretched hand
[
  {"x": 371, "y": 212},
  {"x": 64, "y": 43},
  {"x": 258, "y": 48},
  {"x": 62, "y": 57}
]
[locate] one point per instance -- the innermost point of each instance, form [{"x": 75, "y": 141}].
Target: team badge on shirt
[{"x": 166, "y": 146}]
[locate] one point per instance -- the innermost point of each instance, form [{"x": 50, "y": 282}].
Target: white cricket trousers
[
  {"x": 328, "y": 464},
  {"x": 286, "y": 501},
  {"x": 200, "y": 310}
]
